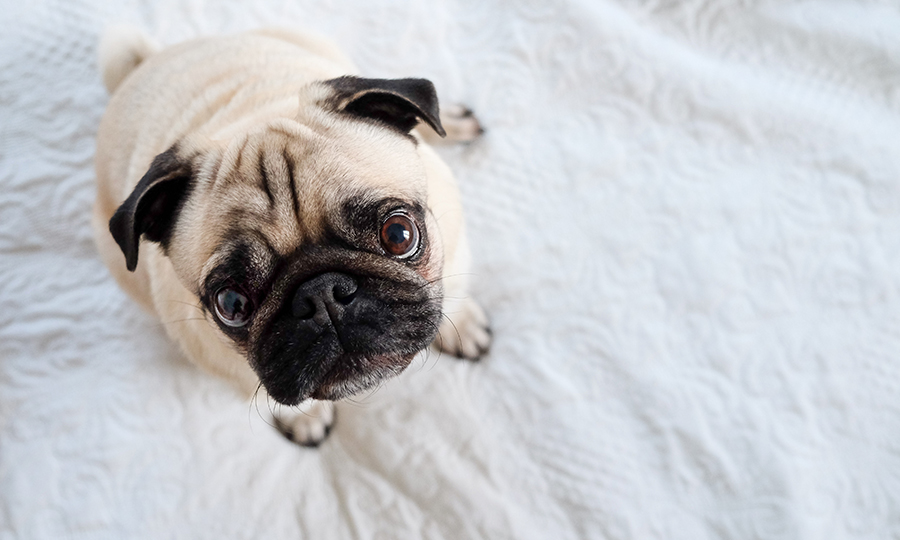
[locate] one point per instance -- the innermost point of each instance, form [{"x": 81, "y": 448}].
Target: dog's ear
[
  {"x": 152, "y": 207},
  {"x": 400, "y": 103}
]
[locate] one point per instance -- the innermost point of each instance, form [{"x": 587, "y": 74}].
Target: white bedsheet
[{"x": 685, "y": 218}]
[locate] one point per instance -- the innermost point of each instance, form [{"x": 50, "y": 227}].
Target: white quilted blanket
[{"x": 686, "y": 224}]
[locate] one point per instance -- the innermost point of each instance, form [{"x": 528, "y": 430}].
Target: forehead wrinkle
[
  {"x": 283, "y": 212},
  {"x": 231, "y": 159},
  {"x": 257, "y": 189},
  {"x": 314, "y": 184}
]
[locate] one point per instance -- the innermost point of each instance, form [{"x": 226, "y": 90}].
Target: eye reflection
[
  {"x": 232, "y": 307},
  {"x": 399, "y": 236}
]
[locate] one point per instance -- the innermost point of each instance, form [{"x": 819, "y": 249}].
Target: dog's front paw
[
  {"x": 465, "y": 331},
  {"x": 460, "y": 124},
  {"x": 307, "y": 424}
]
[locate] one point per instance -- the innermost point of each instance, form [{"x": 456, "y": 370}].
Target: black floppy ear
[
  {"x": 152, "y": 207},
  {"x": 400, "y": 103}
]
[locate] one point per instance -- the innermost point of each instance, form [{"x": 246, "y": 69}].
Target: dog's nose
[{"x": 324, "y": 298}]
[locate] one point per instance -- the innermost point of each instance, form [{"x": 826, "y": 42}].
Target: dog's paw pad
[
  {"x": 460, "y": 123},
  {"x": 466, "y": 334},
  {"x": 307, "y": 424}
]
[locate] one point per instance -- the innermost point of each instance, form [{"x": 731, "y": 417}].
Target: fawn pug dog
[{"x": 288, "y": 215}]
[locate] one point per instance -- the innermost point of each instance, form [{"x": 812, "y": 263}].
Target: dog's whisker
[
  {"x": 195, "y": 306},
  {"x": 442, "y": 278},
  {"x": 165, "y": 323},
  {"x": 254, "y": 401}
]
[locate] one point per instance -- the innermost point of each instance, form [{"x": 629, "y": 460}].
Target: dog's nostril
[
  {"x": 345, "y": 299},
  {"x": 323, "y": 293},
  {"x": 304, "y": 309},
  {"x": 344, "y": 291}
]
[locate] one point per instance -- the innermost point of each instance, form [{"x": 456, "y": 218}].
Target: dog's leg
[
  {"x": 464, "y": 331},
  {"x": 306, "y": 424},
  {"x": 460, "y": 124}
]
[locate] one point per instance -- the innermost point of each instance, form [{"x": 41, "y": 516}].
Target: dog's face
[{"x": 308, "y": 242}]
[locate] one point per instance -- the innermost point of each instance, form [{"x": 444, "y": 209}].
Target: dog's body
[{"x": 300, "y": 237}]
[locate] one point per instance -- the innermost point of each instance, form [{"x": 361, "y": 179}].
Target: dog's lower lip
[
  {"x": 340, "y": 390},
  {"x": 331, "y": 390},
  {"x": 329, "y": 393},
  {"x": 380, "y": 368}
]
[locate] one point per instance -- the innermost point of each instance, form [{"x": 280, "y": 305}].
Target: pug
[{"x": 284, "y": 218}]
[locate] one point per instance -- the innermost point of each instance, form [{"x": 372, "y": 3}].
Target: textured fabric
[{"x": 685, "y": 220}]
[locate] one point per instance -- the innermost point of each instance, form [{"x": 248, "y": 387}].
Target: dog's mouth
[
  {"x": 330, "y": 373},
  {"x": 340, "y": 348},
  {"x": 358, "y": 374}
]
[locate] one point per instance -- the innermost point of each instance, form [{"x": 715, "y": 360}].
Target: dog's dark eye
[
  {"x": 399, "y": 236},
  {"x": 232, "y": 307}
]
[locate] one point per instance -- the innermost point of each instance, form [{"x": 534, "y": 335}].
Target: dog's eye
[
  {"x": 399, "y": 236},
  {"x": 232, "y": 307}
]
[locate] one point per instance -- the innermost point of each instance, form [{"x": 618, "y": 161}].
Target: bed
[{"x": 685, "y": 220}]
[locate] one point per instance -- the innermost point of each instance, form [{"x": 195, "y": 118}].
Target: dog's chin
[{"x": 350, "y": 376}]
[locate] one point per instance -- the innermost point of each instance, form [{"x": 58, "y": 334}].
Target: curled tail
[{"x": 122, "y": 48}]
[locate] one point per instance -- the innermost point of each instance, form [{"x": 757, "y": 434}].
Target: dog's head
[{"x": 308, "y": 241}]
